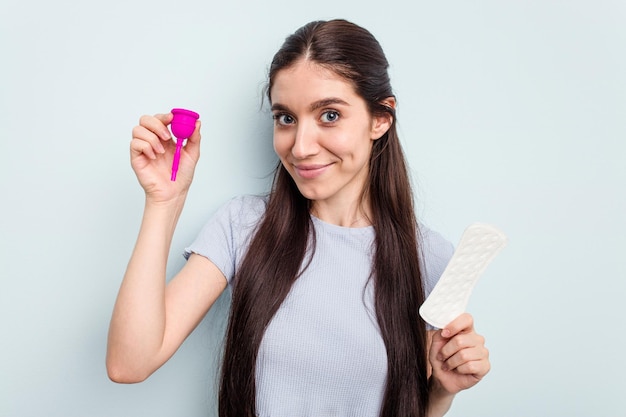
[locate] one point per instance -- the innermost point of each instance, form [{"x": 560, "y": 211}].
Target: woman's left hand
[{"x": 458, "y": 355}]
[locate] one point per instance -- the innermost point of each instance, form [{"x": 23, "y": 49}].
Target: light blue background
[{"x": 511, "y": 113}]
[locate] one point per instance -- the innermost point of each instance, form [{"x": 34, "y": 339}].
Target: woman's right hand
[{"x": 152, "y": 152}]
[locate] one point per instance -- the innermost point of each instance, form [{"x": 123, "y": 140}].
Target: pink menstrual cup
[{"x": 183, "y": 125}]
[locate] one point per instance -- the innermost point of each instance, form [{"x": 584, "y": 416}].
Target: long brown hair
[{"x": 278, "y": 248}]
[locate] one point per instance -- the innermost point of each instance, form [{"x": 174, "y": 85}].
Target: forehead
[{"x": 308, "y": 81}]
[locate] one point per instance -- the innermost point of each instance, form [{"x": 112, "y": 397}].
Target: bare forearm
[
  {"x": 138, "y": 322},
  {"x": 440, "y": 400}
]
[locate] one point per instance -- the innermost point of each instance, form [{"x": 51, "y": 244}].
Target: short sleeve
[
  {"x": 436, "y": 252},
  {"x": 224, "y": 239}
]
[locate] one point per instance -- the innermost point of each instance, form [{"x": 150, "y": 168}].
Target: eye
[
  {"x": 330, "y": 116},
  {"x": 283, "y": 119}
]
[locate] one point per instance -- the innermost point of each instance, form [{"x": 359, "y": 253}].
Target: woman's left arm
[{"x": 459, "y": 360}]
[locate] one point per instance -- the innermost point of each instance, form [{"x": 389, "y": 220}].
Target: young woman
[{"x": 328, "y": 271}]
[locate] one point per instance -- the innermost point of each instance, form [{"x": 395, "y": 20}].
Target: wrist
[
  {"x": 161, "y": 216},
  {"x": 439, "y": 399},
  {"x": 174, "y": 203}
]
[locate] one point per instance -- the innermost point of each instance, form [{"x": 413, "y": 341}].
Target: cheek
[
  {"x": 357, "y": 145},
  {"x": 280, "y": 142}
]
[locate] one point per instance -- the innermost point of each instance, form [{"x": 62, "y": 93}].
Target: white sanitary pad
[{"x": 479, "y": 244}]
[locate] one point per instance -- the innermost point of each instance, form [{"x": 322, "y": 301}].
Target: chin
[{"x": 310, "y": 193}]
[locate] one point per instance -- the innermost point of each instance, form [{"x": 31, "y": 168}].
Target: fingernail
[
  {"x": 166, "y": 134},
  {"x": 445, "y": 333},
  {"x": 160, "y": 149}
]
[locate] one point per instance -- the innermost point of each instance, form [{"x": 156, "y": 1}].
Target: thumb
[
  {"x": 193, "y": 142},
  {"x": 438, "y": 342}
]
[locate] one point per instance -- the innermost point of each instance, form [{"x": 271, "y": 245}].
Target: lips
[{"x": 310, "y": 171}]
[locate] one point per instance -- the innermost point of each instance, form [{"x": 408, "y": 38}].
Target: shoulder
[
  {"x": 434, "y": 245},
  {"x": 436, "y": 251},
  {"x": 247, "y": 203},
  {"x": 243, "y": 210},
  {"x": 226, "y": 235},
  {"x": 232, "y": 223}
]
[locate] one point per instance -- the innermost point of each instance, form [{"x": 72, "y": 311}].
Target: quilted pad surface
[{"x": 479, "y": 244}]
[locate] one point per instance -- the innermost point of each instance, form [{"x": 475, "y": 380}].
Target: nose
[{"x": 306, "y": 143}]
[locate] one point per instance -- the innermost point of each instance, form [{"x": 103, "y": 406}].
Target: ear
[{"x": 382, "y": 123}]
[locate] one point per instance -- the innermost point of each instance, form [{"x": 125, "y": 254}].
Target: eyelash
[
  {"x": 336, "y": 113},
  {"x": 278, "y": 116}
]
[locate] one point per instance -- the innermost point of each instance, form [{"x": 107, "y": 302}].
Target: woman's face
[{"x": 323, "y": 132}]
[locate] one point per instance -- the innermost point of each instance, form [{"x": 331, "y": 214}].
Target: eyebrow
[{"x": 315, "y": 105}]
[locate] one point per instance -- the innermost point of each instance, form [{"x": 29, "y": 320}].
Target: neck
[{"x": 353, "y": 214}]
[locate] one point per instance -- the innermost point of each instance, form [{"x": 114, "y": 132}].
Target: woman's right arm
[{"x": 151, "y": 319}]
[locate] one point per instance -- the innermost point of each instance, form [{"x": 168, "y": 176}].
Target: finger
[
  {"x": 472, "y": 356},
  {"x": 138, "y": 147},
  {"x": 193, "y": 143},
  {"x": 157, "y": 124},
  {"x": 195, "y": 136},
  {"x": 142, "y": 133},
  {"x": 437, "y": 342},
  {"x": 460, "y": 342},
  {"x": 478, "y": 368},
  {"x": 165, "y": 118},
  {"x": 435, "y": 357},
  {"x": 463, "y": 323}
]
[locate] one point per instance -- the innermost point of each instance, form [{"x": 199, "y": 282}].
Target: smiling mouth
[{"x": 310, "y": 171}]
